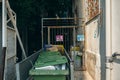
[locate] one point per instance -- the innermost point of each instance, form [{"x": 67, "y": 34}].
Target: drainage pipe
[
  {"x": 4, "y": 40},
  {"x": 108, "y": 39},
  {"x": 4, "y": 25}
]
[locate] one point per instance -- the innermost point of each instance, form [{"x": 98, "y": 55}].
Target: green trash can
[
  {"x": 49, "y": 74},
  {"x": 49, "y": 59}
]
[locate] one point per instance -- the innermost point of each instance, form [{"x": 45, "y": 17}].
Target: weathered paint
[
  {"x": 10, "y": 71},
  {"x": 92, "y": 49},
  {"x": 11, "y": 43},
  {"x": 91, "y": 8},
  {"x": 92, "y": 36},
  {"x": 90, "y": 64},
  {"x": 10, "y": 74},
  {"x": 79, "y": 13}
]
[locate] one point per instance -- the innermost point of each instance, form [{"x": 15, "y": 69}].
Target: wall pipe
[
  {"x": 4, "y": 26},
  {"x": 4, "y": 40},
  {"x": 108, "y": 39}
]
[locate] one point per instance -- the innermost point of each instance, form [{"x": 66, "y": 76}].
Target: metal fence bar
[
  {"x": 59, "y": 26},
  {"x": 67, "y": 30},
  {"x": 71, "y": 65},
  {"x": 24, "y": 66},
  {"x": 58, "y": 18},
  {"x": 74, "y": 37},
  {"x": 42, "y": 31},
  {"x": 48, "y": 35}
]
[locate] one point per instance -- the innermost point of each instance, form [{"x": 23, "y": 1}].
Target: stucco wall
[
  {"x": 90, "y": 64},
  {"x": 95, "y": 41},
  {"x": 92, "y": 49}
]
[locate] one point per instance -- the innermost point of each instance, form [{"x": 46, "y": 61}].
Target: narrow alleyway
[{"x": 83, "y": 31}]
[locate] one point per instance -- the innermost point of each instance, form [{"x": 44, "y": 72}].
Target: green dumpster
[
  {"x": 49, "y": 74},
  {"x": 50, "y": 59}
]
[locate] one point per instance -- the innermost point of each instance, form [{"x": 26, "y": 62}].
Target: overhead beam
[{"x": 10, "y": 14}]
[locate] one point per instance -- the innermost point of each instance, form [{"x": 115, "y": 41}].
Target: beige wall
[
  {"x": 92, "y": 49},
  {"x": 92, "y": 39},
  {"x": 92, "y": 36}
]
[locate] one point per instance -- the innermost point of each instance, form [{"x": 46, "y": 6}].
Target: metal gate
[{"x": 60, "y": 31}]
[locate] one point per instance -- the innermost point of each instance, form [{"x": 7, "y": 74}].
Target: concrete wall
[
  {"x": 11, "y": 43},
  {"x": 92, "y": 49},
  {"x": 10, "y": 72},
  {"x": 92, "y": 38},
  {"x": 95, "y": 45},
  {"x": 11, "y": 55},
  {"x": 90, "y": 64},
  {"x": 95, "y": 40}
]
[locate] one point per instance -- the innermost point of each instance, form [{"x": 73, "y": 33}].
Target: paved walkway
[{"x": 82, "y": 75}]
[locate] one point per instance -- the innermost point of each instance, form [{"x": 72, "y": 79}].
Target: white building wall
[{"x": 115, "y": 34}]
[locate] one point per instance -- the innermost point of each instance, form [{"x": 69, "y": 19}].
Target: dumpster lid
[
  {"x": 49, "y": 53},
  {"x": 52, "y": 60},
  {"x": 49, "y": 58}
]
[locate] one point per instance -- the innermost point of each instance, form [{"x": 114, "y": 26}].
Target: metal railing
[
  {"x": 59, "y": 22},
  {"x": 71, "y": 66},
  {"x": 59, "y": 27},
  {"x": 23, "y": 67}
]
